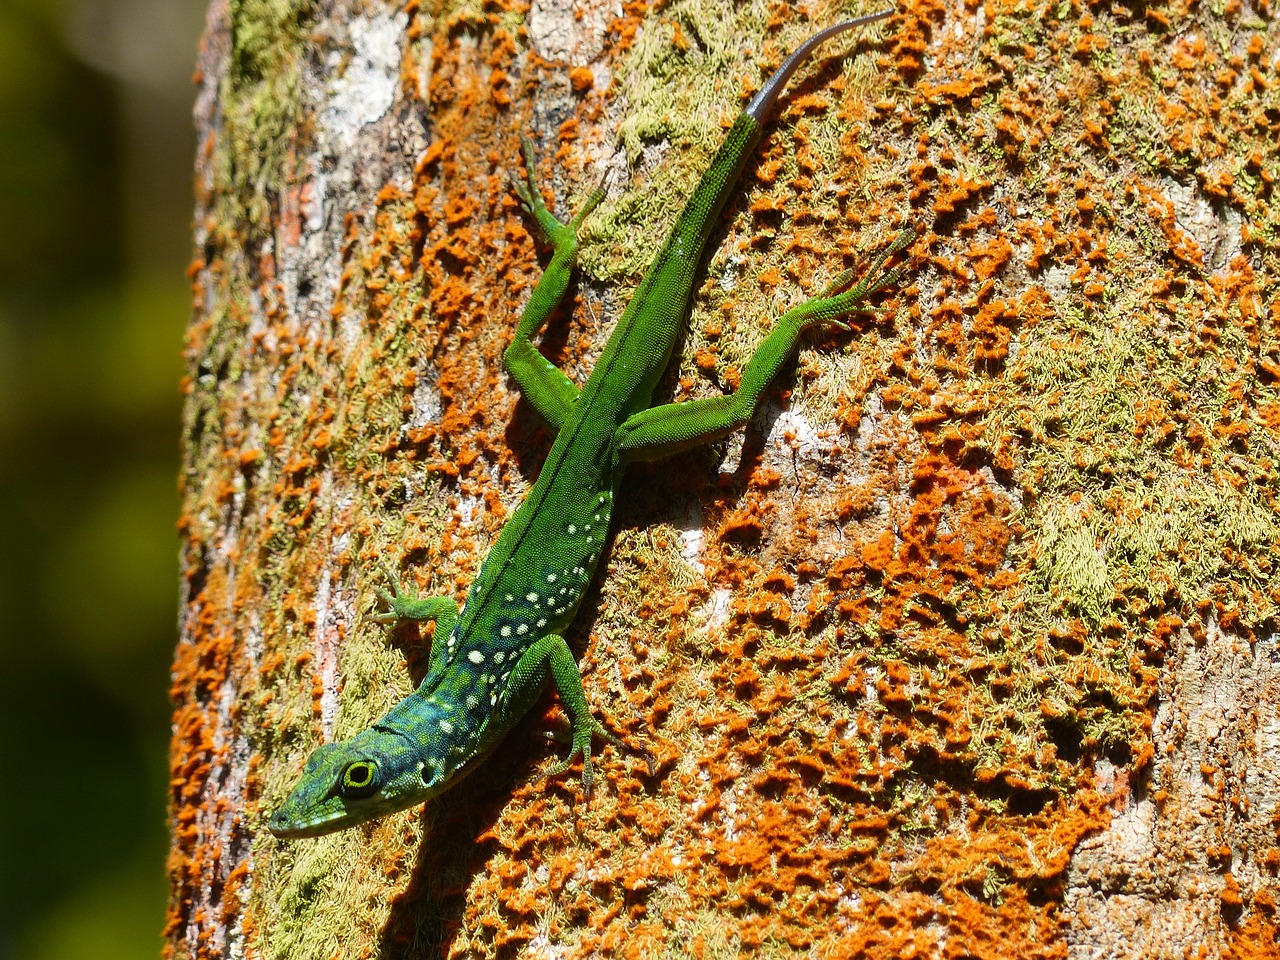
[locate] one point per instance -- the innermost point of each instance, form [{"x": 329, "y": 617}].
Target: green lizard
[{"x": 490, "y": 659}]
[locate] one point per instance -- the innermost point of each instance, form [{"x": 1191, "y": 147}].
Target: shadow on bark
[{"x": 427, "y": 917}]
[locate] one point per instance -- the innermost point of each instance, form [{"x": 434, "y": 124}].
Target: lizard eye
[{"x": 359, "y": 779}]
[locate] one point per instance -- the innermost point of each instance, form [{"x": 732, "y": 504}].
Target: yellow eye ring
[{"x": 359, "y": 779}]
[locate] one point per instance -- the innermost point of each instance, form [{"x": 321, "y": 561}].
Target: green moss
[
  {"x": 1071, "y": 566},
  {"x": 260, "y": 100},
  {"x": 1116, "y": 512},
  {"x": 259, "y": 103}
]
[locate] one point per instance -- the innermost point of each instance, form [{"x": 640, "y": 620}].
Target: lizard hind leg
[
  {"x": 545, "y": 386},
  {"x": 671, "y": 428}
]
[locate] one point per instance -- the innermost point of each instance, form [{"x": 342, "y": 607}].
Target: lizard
[{"x": 490, "y": 658}]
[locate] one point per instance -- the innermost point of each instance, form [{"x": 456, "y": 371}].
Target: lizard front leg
[
  {"x": 404, "y": 607},
  {"x": 551, "y": 655}
]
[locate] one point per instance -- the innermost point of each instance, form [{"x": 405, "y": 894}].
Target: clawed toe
[{"x": 394, "y": 598}]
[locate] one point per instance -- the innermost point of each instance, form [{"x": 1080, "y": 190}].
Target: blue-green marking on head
[{"x": 376, "y": 772}]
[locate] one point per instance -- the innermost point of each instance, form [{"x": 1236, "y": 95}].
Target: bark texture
[{"x": 968, "y": 648}]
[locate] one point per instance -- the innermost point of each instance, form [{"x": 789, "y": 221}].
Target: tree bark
[{"x": 967, "y": 647}]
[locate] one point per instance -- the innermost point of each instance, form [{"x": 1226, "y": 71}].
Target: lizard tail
[{"x": 761, "y": 104}]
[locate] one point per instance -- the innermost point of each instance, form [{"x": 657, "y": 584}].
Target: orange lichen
[{"x": 581, "y": 79}]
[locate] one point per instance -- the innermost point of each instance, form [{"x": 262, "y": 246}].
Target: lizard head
[{"x": 374, "y": 773}]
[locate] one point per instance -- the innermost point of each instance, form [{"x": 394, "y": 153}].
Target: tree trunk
[{"x": 967, "y": 647}]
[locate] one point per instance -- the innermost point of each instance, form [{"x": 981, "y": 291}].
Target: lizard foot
[
  {"x": 581, "y": 744},
  {"x": 405, "y": 606},
  {"x": 563, "y": 237},
  {"x": 839, "y": 299}
]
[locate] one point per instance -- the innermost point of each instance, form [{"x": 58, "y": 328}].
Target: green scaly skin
[{"x": 491, "y": 658}]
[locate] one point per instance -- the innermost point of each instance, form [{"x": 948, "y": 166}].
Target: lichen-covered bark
[{"x": 967, "y": 648}]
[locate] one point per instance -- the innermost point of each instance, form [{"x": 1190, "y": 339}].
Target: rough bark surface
[{"x": 968, "y": 648}]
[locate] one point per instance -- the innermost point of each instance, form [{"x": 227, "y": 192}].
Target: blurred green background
[{"x": 96, "y": 149}]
